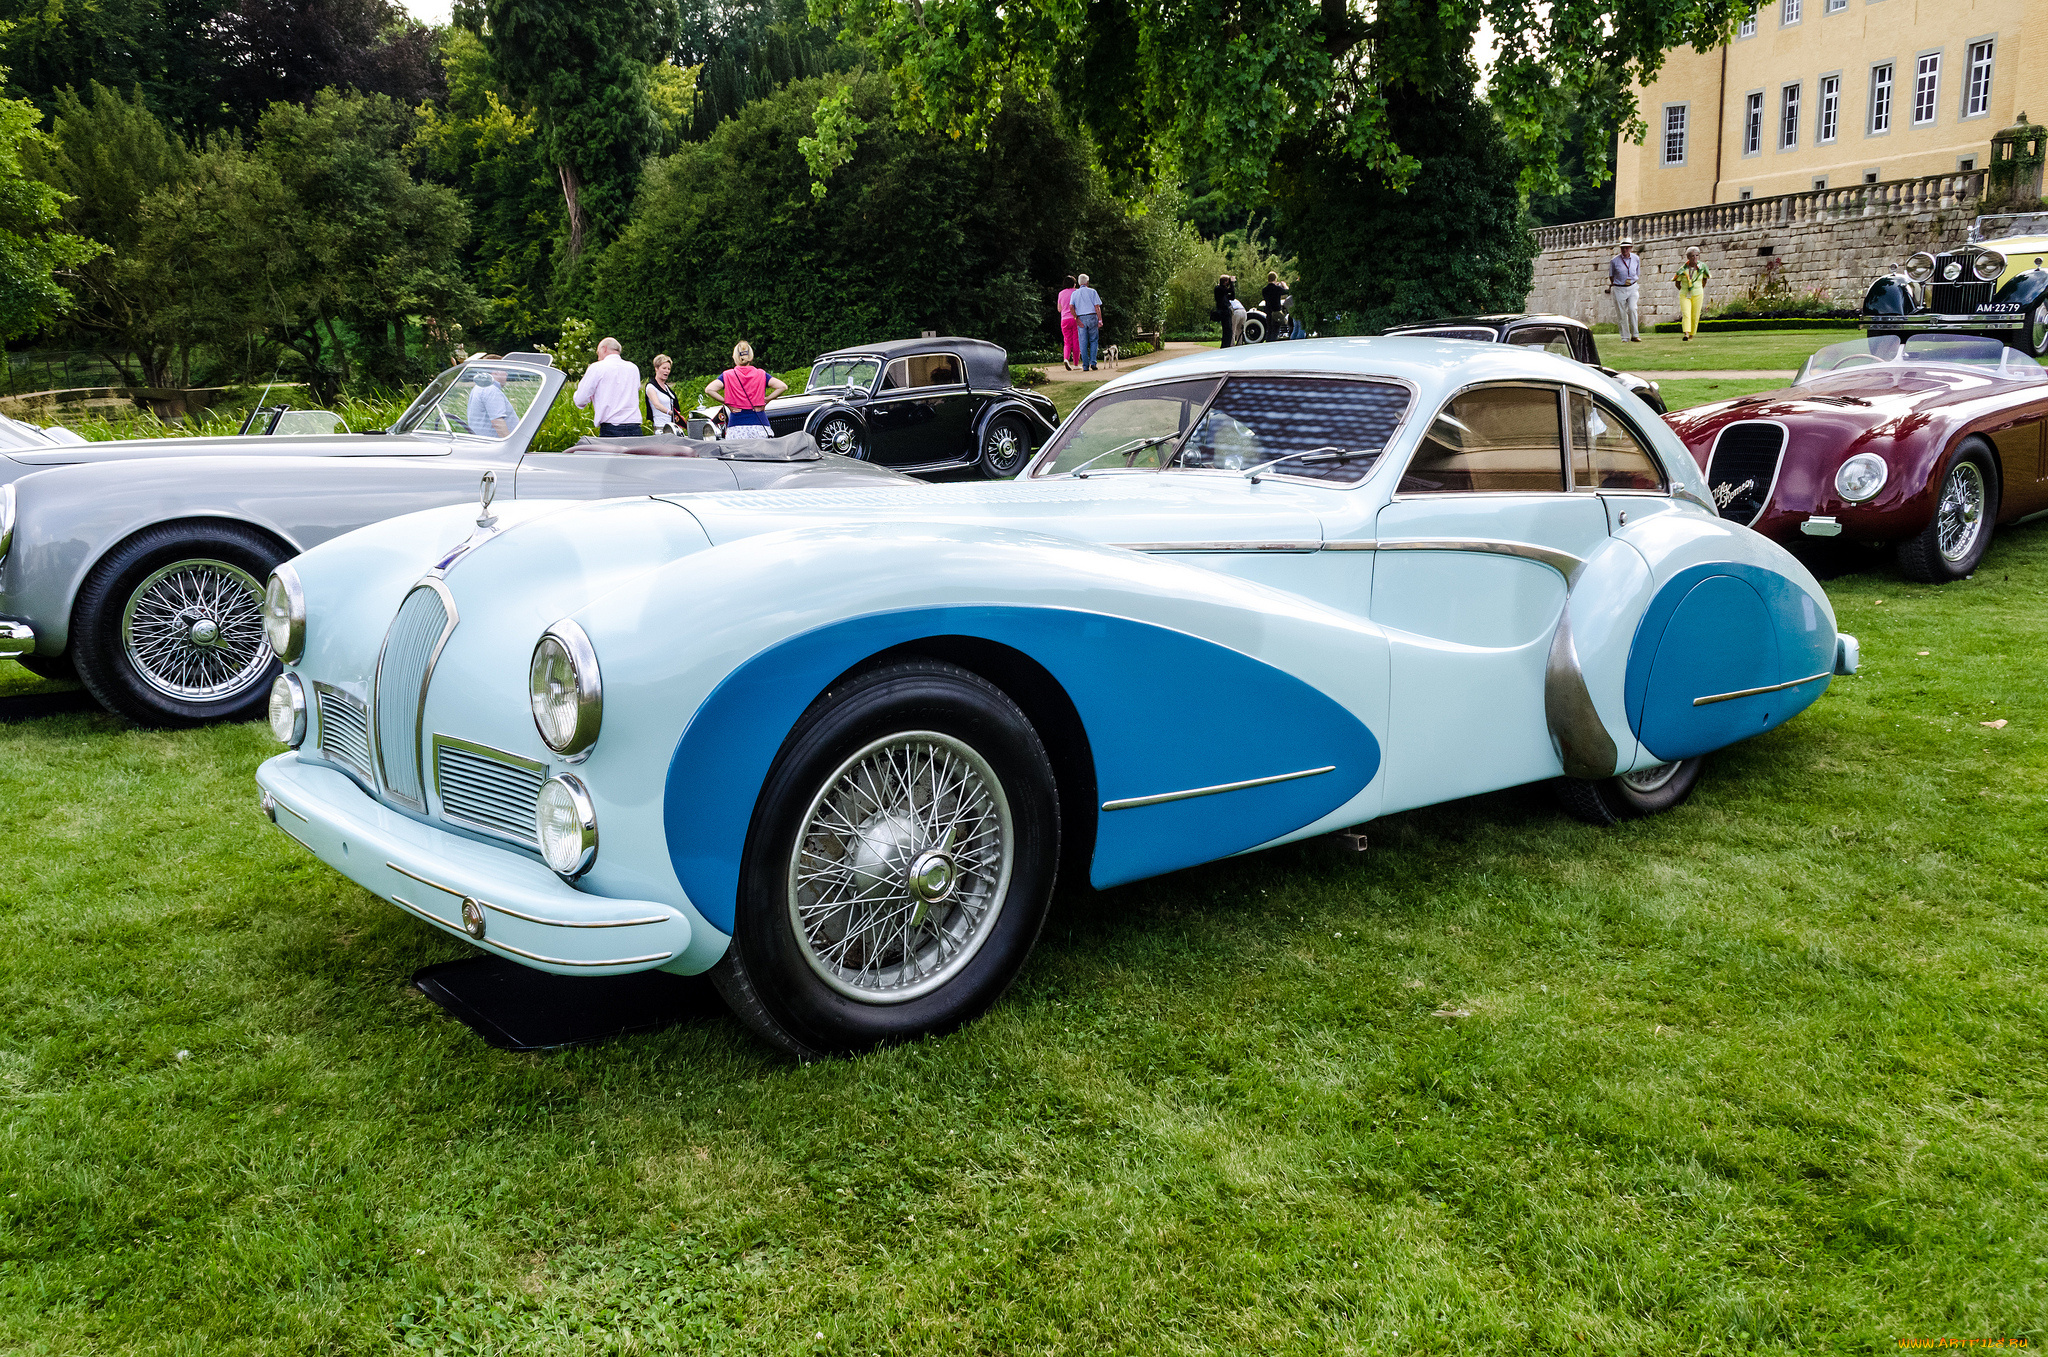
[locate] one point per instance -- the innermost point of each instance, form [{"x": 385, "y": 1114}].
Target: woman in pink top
[
  {"x": 745, "y": 391},
  {"x": 1070, "y": 326}
]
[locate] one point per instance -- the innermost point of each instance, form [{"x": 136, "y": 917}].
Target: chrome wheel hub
[
  {"x": 1961, "y": 512},
  {"x": 901, "y": 867},
  {"x": 194, "y": 631},
  {"x": 1003, "y": 447},
  {"x": 838, "y": 436},
  {"x": 1650, "y": 779}
]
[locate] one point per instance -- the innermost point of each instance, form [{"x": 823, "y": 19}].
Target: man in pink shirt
[{"x": 610, "y": 390}]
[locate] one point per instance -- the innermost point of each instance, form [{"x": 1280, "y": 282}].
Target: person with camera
[{"x": 1226, "y": 293}]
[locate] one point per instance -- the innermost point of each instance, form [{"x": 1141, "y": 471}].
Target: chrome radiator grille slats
[
  {"x": 1951, "y": 299},
  {"x": 1744, "y": 468},
  {"x": 423, "y": 622},
  {"x": 488, "y": 791},
  {"x": 344, "y": 729}
]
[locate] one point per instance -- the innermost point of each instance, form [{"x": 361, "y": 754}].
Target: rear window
[{"x": 1492, "y": 438}]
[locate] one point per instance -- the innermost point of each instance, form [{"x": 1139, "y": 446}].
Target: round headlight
[
  {"x": 1861, "y": 477},
  {"x": 567, "y": 824},
  {"x": 1989, "y": 265},
  {"x": 1920, "y": 267},
  {"x": 288, "y": 710},
  {"x": 284, "y": 615},
  {"x": 563, "y": 688}
]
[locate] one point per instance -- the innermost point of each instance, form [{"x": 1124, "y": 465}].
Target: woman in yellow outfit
[{"x": 1691, "y": 282}]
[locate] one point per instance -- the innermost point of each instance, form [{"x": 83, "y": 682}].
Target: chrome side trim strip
[
  {"x": 651, "y": 958},
  {"x": 1133, "y": 802},
  {"x": 1563, "y": 562},
  {"x": 532, "y": 918},
  {"x": 1175, "y": 547},
  {"x": 1752, "y": 692}
]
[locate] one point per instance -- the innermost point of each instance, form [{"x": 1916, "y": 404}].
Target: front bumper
[
  {"x": 503, "y": 901},
  {"x": 1933, "y": 321},
  {"x": 17, "y": 638}
]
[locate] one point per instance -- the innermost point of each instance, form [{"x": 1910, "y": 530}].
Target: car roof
[
  {"x": 1432, "y": 365},
  {"x": 987, "y": 364},
  {"x": 1493, "y": 322}
]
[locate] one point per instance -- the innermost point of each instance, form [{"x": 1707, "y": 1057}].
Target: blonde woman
[
  {"x": 661, "y": 398},
  {"x": 745, "y": 391},
  {"x": 1691, "y": 282}
]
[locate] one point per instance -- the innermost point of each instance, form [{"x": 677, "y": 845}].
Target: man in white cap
[{"x": 1624, "y": 272}]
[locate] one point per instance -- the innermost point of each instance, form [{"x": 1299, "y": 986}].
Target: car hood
[
  {"x": 1196, "y": 508},
  {"x": 1842, "y": 413}
]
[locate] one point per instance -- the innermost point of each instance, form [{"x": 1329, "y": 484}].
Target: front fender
[
  {"x": 2025, "y": 289},
  {"x": 1889, "y": 296},
  {"x": 1183, "y": 678},
  {"x": 818, "y": 416}
]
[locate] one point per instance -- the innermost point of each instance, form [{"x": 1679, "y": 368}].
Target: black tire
[
  {"x": 1254, "y": 328},
  {"x": 1631, "y": 796},
  {"x": 774, "y": 975},
  {"x": 124, "y": 626},
  {"x": 2033, "y": 340},
  {"x": 1005, "y": 447},
  {"x": 1959, "y": 531},
  {"x": 841, "y": 434},
  {"x": 55, "y": 667}
]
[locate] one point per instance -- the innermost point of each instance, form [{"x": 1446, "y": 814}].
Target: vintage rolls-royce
[
  {"x": 139, "y": 566},
  {"x": 834, "y": 747},
  {"x": 917, "y": 405},
  {"x": 1974, "y": 289},
  {"x": 1925, "y": 443}
]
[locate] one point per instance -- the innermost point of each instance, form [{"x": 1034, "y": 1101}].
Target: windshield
[
  {"x": 839, "y": 373},
  {"x": 1319, "y": 428},
  {"x": 484, "y": 400},
  {"x": 1447, "y": 332},
  {"x": 1949, "y": 350}
]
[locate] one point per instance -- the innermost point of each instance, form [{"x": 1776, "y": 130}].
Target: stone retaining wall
[{"x": 1837, "y": 250}]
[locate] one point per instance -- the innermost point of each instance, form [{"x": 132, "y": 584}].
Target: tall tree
[
  {"x": 282, "y": 51},
  {"x": 583, "y": 71},
  {"x": 33, "y": 245},
  {"x": 1225, "y": 88},
  {"x": 110, "y": 154}
]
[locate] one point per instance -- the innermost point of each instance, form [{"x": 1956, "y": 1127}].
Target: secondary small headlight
[
  {"x": 563, "y": 688},
  {"x": 284, "y": 615},
  {"x": 567, "y": 824},
  {"x": 1989, "y": 265},
  {"x": 288, "y": 710},
  {"x": 1920, "y": 267},
  {"x": 1861, "y": 477}
]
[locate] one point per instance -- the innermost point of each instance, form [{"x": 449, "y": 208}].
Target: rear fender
[{"x": 1041, "y": 429}]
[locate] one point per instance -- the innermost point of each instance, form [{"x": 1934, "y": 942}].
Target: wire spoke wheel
[
  {"x": 1961, "y": 511},
  {"x": 193, "y": 630},
  {"x": 1650, "y": 779},
  {"x": 839, "y": 435},
  {"x": 900, "y": 867},
  {"x": 1004, "y": 448}
]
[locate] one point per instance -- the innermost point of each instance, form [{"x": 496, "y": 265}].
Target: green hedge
[{"x": 1710, "y": 327}]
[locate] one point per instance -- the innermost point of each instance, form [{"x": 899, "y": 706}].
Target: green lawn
[
  {"x": 1682, "y": 393},
  {"x": 1764, "y": 1074},
  {"x": 1752, "y": 349}
]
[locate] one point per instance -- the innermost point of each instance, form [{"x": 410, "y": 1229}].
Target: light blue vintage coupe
[{"x": 835, "y": 746}]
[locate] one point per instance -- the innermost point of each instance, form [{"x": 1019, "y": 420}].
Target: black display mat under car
[{"x": 520, "y": 1009}]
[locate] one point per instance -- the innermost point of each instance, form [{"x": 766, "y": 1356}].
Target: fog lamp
[
  {"x": 1861, "y": 477},
  {"x": 567, "y": 824},
  {"x": 288, "y": 710}
]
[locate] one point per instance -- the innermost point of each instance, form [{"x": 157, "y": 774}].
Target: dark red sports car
[{"x": 1925, "y": 442}]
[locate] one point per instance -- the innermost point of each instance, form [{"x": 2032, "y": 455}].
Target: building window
[
  {"x": 1820, "y": 183},
  {"x": 1745, "y": 195},
  {"x": 1870, "y": 176},
  {"x": 1965, "y": 164},
  {"x": 1789, "y": 11},
  {"x": 1837, "y": 6},
  {"x": 1674, "y": 134},
  {"x": 1926, "y": 87},
  {"x": 1881, "y": 98},
  {"x": 1753, "y": 124},
  {"x": 1747, "y": 29},
  {"x": 1830, "y": 107},
  {"x": 1977, "y": 91},
  {"x": 1788, "y": 117}
]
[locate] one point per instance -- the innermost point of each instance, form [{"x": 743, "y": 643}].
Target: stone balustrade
[{"x": 1932, "y": 193}]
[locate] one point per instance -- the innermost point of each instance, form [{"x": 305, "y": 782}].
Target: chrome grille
[
  {"x": 344, "y": 729},
  {"x": 1743, "y": 469},
  {"x": 488, "y": 790},
  {"x": 423, "y": 622},
  {"x": 1950, "y": 299}
]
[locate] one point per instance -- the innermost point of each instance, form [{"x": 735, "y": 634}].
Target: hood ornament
[
  {"x": 489, "y": 491},
  {"x": 486, "y": 527}
]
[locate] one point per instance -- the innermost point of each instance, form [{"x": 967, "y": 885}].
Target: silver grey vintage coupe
[{"x": 140, "y": 566}]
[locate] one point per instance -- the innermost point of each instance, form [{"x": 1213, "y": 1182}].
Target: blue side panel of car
[
  {"x": 1721, "y": 628},
  {"x": 1164, "y": 712}
]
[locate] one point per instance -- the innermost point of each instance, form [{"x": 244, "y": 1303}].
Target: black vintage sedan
[
  {"x": 917, "y": 405},
  {"x": 1554, "y": 334}
]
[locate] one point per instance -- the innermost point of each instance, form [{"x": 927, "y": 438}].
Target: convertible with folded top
[{"x": 835, "y": 746}]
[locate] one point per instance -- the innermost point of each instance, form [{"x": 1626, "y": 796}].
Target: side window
[
  {"x": 1492, "y": 438},
  {"x": 1327, "y": 429},
  {"x": 1606, "y": 455},
  {"x": 932, "y": 369},
  {"x": 897, "y": 376},
  {"x": 1545, "y": 337}
]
